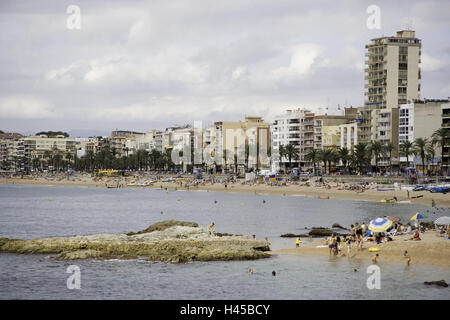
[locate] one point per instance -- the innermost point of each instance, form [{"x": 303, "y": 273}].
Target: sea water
[{"x": 29, "y": 212}]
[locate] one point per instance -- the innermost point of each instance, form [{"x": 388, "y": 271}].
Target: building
[
  {"x": 327, "y": 130},
  {"x": 392, "y": 70},
  {"x": 287, "y": 128},
  {"x": 445, "y": 164},
  {"x": 37, "y": 149},
  {"x": 248, "y": 140},
  {"x": 118, "y": 141},
  {"x": 306, "y": 137},
  {"x": 11, "y": 151}
]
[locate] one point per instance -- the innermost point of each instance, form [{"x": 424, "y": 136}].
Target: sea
[{"x": 30, "y": 211}]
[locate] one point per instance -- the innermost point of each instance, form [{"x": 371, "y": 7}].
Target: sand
[
  {"x": 431, "y": 250},
  {"x": 333, "y": 192}
]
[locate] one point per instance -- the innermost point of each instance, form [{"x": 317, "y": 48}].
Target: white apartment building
[
  {"x": 294, "y": 127},
  {"x": 419, "y": 120}
]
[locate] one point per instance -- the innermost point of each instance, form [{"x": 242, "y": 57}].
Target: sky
[{"x": 143, "y": 65}]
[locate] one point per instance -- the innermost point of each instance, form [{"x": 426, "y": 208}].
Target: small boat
[
  {"x": 323, "y": 197},
  {"x": 387, "y": 201},
  {"x": 404, "y": 201}
]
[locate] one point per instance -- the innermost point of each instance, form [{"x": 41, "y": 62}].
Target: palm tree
[
  {"x": 326, "y": 155},
  {"x": 420, "y": 144},
  {"x": 312, "y": 156},
  {"x": 441, "y": 136},
  {"x": 344, "y": 157},
  {"x": 291, "y": 152},
  {"x": 360, "y": 155},
  {"x": 406, "y": 149},
  {"x": 376, "y": 148},
  {"x": 389, "y": 148},
  {"x": 282, "y": 154},
  {"x": 431, "y": 150}
]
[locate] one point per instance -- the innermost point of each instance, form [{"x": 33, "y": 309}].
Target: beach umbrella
[
  {"x": 442, "y": 221},
  {"x": 380, "y": 224},
  {"x": 418, "y": 216}
]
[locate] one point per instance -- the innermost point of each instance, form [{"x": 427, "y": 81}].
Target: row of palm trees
[{"x": 363, "y": 153}]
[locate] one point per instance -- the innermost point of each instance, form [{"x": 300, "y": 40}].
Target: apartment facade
[
  {"x": 445, "y": 162},
  {"x": 230, "y": 138},
  {"x": 392, "y": 70}
]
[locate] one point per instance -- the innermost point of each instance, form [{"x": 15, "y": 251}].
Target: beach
[
  {"x": 431, "y": 250},
  {"x": 332, "y": 190}
]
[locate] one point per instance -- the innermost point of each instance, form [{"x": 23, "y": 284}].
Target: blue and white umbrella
[{"x": 379, "y": 224}]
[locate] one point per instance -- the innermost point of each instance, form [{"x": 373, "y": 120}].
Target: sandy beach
[
  {"x": 432, "y": 249},
  {"x": 331, "y": 190}
]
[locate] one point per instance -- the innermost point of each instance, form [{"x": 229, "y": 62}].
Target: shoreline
[
  {"x": 431, "y": 250},
  {"x": 325, "y": 193}
]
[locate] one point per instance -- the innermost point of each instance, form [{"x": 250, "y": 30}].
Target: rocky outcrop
[
  {"x": 176, "y": 243},
  {"x": 440, "y": 283}
]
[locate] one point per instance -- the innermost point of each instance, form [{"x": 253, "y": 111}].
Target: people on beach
[
  {"x": 416, "y": 236},
  {"x": 374, "y": 259},
  {"x": 211, "y": 229},
  {"x": 408, "y": 257}
]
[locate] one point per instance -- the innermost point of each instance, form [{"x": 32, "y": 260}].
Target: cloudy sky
[{"x": 142, "y": 65}]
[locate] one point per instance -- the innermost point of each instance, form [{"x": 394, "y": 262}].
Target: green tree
[
  {"x": 406, "y": 149},
  {"x": 389, "y": 148},
  {"x": 344, "y": 157},
  {"x": 420, "y": 145},
  {"x": 376, "y": 148},
  {"x": 312, "y": 156},
  {"x": 360, "y": 153}
]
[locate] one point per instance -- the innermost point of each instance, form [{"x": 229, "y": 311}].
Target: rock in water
[
  {"x": 440, "y": 283},
  {"x": 171, "y": 241}
]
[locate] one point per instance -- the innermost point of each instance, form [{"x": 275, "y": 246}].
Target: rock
[
  {"x": 440, "y": 283},
  {"x": 163, "y": 225},
  {"x": 291, "y": 235},
  {"x": 338, "y": 226},
  {"x": 181, "y": 242},
  {"x": 322, "y": 232}
]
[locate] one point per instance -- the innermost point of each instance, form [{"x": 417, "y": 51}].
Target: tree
[
  {"x": 326, "y": 155},
  {"x": 291, "y": 153},
  {"x": 406, "y": 149},
  {"x": 312, "y": 156},
  {"x": 376, "y": 148},
  {"x": 431, "y": 150},
  {"x": 441, "y": 137},
  {"x": 282, "y": 154},
  {"x": 360, "y": 154},
  {"x": 420, "y": 144},
  {"x": 344, "y": 157},
  {"x": 389, "y": 148}
]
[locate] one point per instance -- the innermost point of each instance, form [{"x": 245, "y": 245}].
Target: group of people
[{"x": 336, "y": 243}]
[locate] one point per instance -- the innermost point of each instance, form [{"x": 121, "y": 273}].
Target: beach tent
[{"x": 442, "y": 221}]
